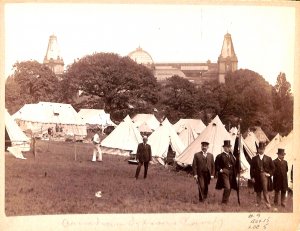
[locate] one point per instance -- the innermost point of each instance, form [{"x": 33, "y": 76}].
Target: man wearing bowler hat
[
  {"x": 225, "y": 165},
  {"x": 280, "y": 177},
  {"x": 261, "y": 170},
  {"x": 144, "y": 156},
  {"x": 203, "y": 169}
]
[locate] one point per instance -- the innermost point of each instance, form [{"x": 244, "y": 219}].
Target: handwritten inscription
[
  {"x": 212, "y": 224},
  {"x": 258, "y": 222}
]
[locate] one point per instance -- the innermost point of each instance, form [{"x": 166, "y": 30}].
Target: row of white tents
[
  {"x": 36, "y": 120},
  {"x": 183, "y": 138},
  {"x": 39, "y": 117}
]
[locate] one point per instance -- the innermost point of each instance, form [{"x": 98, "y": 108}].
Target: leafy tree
[
  {"x": 244, "y": 95},
  {"x": 249, "y": 97},
  {"x": 118, "y": 83},
  {"x": 178, "y": 98},
  {"x": 31, "y": 82},
  {"x": 13, "y": 95},
  {"x": 283, "y": 106}
]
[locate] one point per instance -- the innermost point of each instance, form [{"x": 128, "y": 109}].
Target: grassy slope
[{"x": 54, "y": 183}]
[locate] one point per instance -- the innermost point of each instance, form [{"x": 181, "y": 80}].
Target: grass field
[{"x": 52, "y": 182}]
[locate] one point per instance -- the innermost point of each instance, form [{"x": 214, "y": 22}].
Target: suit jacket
[
  {"x": 266, "y": 164},
  {"x": 227, "y": 165},
  {"x": 143, "y": 153},
  {"x": 202, "y": 164},
  {"x": 280, "y": 180},
  {"x": 256, "y": 166}
]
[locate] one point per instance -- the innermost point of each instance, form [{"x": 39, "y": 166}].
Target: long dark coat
[
  {"x": 143, "y": 153},
  {"x": 222, "y": 162},
  {"x": 268, "y": 167},
  {"x": 280, "y": 180},
  {"x": 201, "y": 164}
]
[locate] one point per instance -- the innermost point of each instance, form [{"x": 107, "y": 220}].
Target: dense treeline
[{"x": 121, "y": 86}]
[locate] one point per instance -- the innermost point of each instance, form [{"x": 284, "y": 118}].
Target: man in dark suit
[
  {"x": 143, "y": 156},
  {"x": 226, "y": 165},
  {"x": 203, "y": 168},
  {"x": 261, "y": 170},
  {"x": 280, "y": 177}
]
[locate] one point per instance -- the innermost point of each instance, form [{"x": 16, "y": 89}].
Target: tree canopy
[
  {"x": 118, "y": 82},
  {"x": 31, "y": 82},
  {"x": 178, "y": 98},
  {"x": 249, "y": 97},
  {"x": 282, "y": 118}
]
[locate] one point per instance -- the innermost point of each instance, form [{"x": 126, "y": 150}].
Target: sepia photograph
[{"x": 155, "y": 115}]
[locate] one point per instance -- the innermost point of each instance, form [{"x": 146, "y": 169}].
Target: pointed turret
[
  {"x": 52, "y": 58},
  {"x": 227, "y": 60}
]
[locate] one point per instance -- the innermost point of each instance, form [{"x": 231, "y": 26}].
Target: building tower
[
  {"x": 227, "y": 60},
  {"x": 52, "y": 58}
]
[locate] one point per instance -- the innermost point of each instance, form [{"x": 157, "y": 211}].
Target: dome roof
[{"x": 141, "y": 57}]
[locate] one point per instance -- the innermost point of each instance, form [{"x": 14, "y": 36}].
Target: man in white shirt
[{"x": 96, "y": 149}]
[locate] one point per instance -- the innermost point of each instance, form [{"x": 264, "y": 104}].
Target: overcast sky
[{"x": 263, "y": 37}]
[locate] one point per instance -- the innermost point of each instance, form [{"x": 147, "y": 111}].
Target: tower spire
[
  {"x": 52, "y": 58},
  {"x": 227, "y": 60}
]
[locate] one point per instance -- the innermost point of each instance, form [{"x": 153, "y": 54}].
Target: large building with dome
[{"x": 194, "y": 72}]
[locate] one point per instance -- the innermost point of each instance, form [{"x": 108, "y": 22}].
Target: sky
[{"x": 263, "y": 36}]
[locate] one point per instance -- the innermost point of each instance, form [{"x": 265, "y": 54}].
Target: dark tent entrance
[
  {"x": 170, "y": 155},
  {"x": 7, "y": 140}
]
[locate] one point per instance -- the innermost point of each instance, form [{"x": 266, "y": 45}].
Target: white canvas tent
[
  {"x": 187, "y": 135},
  {"x": 16, "y": 135},
  {"x": 162, "y": 138},
  {"x": 96, "y": 117},
  {"x": 123, "y": 140},
  {"x": 260, "y": 134},
  {"x": 196, "y": 124},
  {"x": 273, "y": 143},
  {"x": 252, "y": 141},
  {"x": 144, "y": 127},
  {"x": 215, "y": 133},
  {"x": 140, "y": 120},
  {"x": 43, "y": 115}
]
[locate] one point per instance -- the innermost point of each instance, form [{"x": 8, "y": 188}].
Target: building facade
[
  {"x": 194, "y": 72},
  {"x": 197, "y": 73}
]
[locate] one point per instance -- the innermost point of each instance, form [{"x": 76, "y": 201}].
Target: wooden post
[
  {"x": 75, "y": 152},
  {"x": 34, "y": 146}
]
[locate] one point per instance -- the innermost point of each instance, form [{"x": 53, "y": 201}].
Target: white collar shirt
[{"x": 261, "y": 156}]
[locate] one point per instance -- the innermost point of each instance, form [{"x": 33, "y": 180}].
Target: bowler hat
[
  {"x": 205, "y": 143},
  {"x": 261, "y": 145},
  {"x": 227, "y": 143},
  {"x": 280, "y": 151}
]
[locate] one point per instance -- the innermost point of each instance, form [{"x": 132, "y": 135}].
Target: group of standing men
[{"x": 226, "y": 166}]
